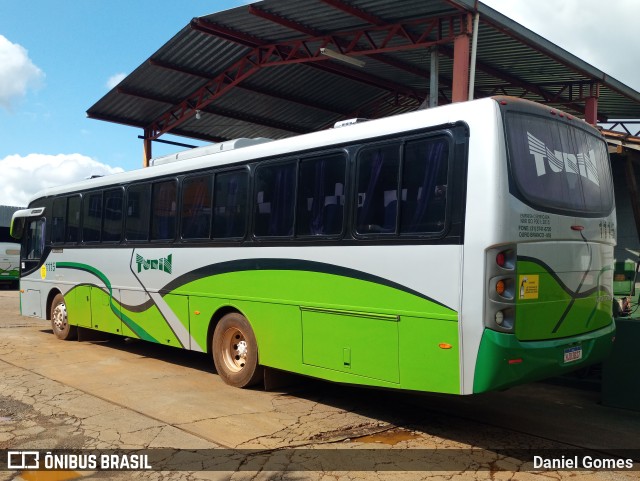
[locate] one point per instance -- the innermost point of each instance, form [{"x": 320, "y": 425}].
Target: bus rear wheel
[
  {"x": 59, "y": 320},
  {"x": 235, "y": 351}
]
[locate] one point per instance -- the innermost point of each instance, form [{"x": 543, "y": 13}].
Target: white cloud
[
  {"x": 600, "y": 33},
  {"x": 22, "y": 177},
  {"x": 17, "y": 73},
  {"x": 115, "y": 80}
]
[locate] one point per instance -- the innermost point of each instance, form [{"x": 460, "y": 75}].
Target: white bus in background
[{"x": 9, "y": 264}]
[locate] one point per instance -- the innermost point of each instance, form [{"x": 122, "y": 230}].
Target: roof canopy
[{"x": 259, "y": 70}]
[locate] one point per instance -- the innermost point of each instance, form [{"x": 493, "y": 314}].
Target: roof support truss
[
  {"x": 378, "y": 39},
  {"x": 394, "y": 37},
  {"x": 261, "y": 91}
]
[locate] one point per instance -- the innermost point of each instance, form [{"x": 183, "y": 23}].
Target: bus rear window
[{"x": 558, "y": 168}]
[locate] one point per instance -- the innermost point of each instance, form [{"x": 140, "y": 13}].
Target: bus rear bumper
[{"x": 504, "y": 361}]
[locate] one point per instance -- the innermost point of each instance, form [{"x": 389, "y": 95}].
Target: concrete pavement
[{"x": 133, "y": 395}]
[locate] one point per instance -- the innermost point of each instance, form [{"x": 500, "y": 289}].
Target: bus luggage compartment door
[
  {"x": 357, "y": 343},
  {"x": 30, "y": 303}
]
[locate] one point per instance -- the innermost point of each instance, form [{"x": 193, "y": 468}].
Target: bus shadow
[
  {"x": 535, "y": 419},
  {"x": 518, "y": 423},
  {"x": 180, "y": 357},
  {"x": 173, "y": 355}
]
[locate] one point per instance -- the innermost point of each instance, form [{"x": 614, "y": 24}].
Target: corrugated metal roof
[{"x": 292, "y": 98}]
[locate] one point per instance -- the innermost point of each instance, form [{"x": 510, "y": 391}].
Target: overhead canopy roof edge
[
  {"x": 514, "y": 28},
  {"x": 292, "y": 95}
]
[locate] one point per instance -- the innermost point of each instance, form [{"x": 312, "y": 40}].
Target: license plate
[{"x": 572, "y": 354}]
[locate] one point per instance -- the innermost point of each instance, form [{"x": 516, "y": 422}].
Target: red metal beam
[
  {"x": 285, "y": 22},
  {"x": 147, "y": 153},
  {"x": 420, "y": 33},
  {"x": 563, "y": 93},
  {"x": 213, "y": 89},
  {"x": 591, "y": 108},
  {"x": 512, "y": 81},
  {"x": 356, "y": 12},
  {"x": 267, "y": 93},
  {"x": 559, "y": 59},
  {"x": 238, "y": 72},
  {"x": 231, "y": 35},
  {"x": 403, "y": 36},
  {"x": 297, "y": 52},
  {"x": 461, "y": 50},
  {"x": 298, "y": 27}
]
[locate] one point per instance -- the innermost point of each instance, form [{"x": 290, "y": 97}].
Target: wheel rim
[
  {"x": 235, "y": 349},
  {"x": 59, "y": 317}
]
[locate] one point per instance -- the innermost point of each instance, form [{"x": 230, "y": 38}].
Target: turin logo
[
  {"x": 163, "y": 264},
  {"x": 580, "y": 163}
]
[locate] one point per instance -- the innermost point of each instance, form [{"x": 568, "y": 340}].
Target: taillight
[
  {"x": 506, "y": 258},
  {"x": 501, "y": 288}
]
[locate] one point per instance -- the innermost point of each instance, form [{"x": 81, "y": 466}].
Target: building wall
[
  {"x": 6, "y": 212},
  {"x": 628, "y": 246}
]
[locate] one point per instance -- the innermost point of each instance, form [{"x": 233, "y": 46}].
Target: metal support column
[
  {"x": 435, "y": 71},
  {"x": 474, "y": 51},
  {"x": 146, "y": 148},
  {"x": 461, "y": 50},
  {"x": 591, "y": 105}
]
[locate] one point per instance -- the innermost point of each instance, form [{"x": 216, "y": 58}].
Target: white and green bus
[{"x": 458, "y": 249}]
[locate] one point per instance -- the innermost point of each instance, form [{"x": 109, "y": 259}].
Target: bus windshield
[{"x": 558, "y": 167}]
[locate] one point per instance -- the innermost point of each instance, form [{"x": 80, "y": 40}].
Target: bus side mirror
[{"x": 17, "y": 227}]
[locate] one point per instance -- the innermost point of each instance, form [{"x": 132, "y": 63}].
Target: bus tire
[
  {"x": 235, "y": 351},
  {"x": 60, "y": 321}
]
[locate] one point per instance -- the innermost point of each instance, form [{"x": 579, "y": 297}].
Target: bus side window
[
  {"x": 320, "y": 196},
  {"x": 424, "y": 185},
  {"x": 230, "y": 205},
  {"x": 163, "y": 221},
  {"x": 196, "y": 207},
  {"x": 92, "y": 217},
  {"x": 58, "y": 219},
  {"x": 34, "y": 242},
  {"x": 112, "y": 222},
  {"x": 137, "y": 214},
  {"x": 275, "y": 199},
  {"x": 73, "y": 219},
  {"x": 377, "y": 192}
]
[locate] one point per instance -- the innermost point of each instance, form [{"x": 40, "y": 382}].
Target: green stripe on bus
[
  {"x": 505, "y": 361},
  {"x": 554, "y": 311},
  {"x": 294, "y": 265},
  {"x": 116, "y": 309},
  {"x": 315, "y": 289}
]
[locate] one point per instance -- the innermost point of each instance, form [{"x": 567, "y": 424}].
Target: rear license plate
[{"x": 572, "y": 354}]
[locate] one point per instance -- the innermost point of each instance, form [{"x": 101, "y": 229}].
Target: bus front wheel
[
  {"x": 59, "y": 320},
  {"x": 235, "y": 351}
]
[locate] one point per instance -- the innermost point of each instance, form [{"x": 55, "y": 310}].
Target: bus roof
[{"x": 443, "y": 115}]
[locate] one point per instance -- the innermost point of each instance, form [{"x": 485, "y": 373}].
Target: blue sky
[
  {"x": 69, "y": 50},
  {"x": 78, "y": 45}
]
